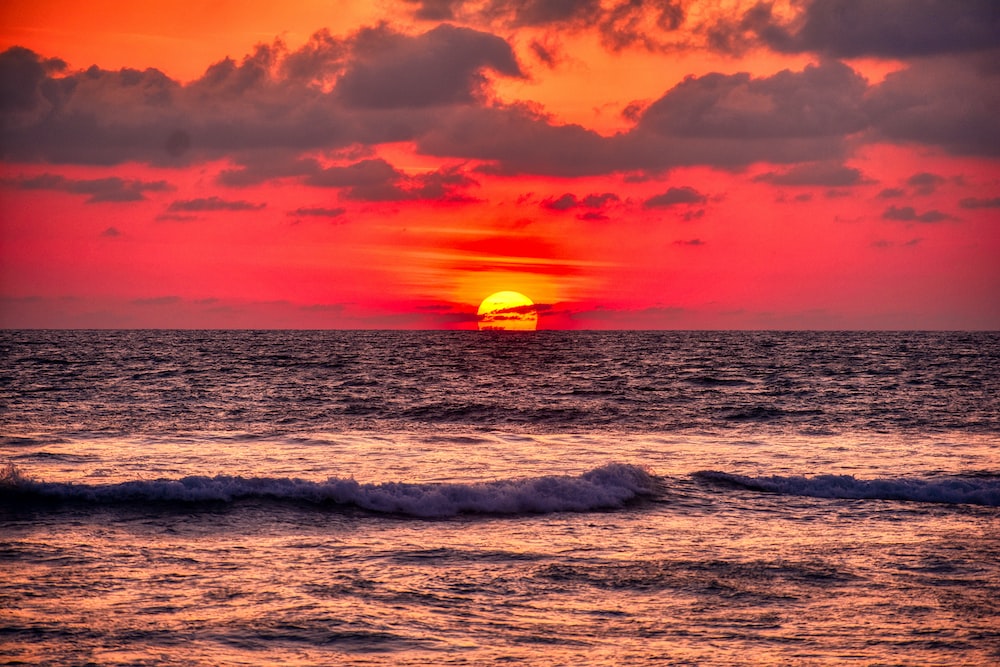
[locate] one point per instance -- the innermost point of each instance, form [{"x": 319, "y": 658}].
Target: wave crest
[
  {"x": 950, "y": 490},
  {"x": 610, "y": 486}
]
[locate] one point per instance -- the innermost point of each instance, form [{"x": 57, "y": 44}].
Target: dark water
[
  {"x": 554, "y": 498},
  {"x": 265, "y": 382}
]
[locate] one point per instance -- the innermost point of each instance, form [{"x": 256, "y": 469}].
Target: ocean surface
[{"x": 479, "y": 498}]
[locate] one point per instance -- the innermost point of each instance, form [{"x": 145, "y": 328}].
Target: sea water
[{"x": 467, "y": 498}]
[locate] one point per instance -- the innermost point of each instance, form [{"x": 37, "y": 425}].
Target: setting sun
[{"x": 507, "y": 311}]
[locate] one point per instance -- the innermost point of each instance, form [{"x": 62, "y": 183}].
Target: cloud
[
  {"x": 682, "y": 195},
  {"x": 891, "y": 193},
  {"x": 99, "y": 190},
  {"x": 318, "y": 212},
  {"x": 213, "y": 204},
  {"x": 909, "y": 214},
  {"x": 925, "y": 182},
  {"x": 329, "y": 94},
  {"x": 435, "y": 10},
  {"x": 946, "y": 102},
  {"x": 818, "y": 173},
  {"x": 569, "y": 201},
  {"x": 973, "y": 202},
  {"x": 378, "y": 181},
  {"x": 692, "y": 242},
  {"x": 441, "y": 67},
  {"x": 175, "y": 217},
  {"x": 262, "y": 166},
  {"x": 733, "y": 120},
  {"x": 821, "y": 100},
  {"x": 563, "y": 203},
  {"x": 22, "y": 75},
  {"x": 620, "y": 24},
  {"x": 883, "y": 244},
  {"x": 859, "y": 28},
  {"x": 546, "y": 53},
  {"x": 276, "y": 112},
  {"x": 157, "y": 301},
  {"x": 111, "y": 233},
  {"x": 516, "y": 139}
]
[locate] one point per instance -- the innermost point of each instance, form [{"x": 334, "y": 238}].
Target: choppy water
[{"x": 473, "y": 498}]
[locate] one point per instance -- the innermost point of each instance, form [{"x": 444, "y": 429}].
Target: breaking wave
[
  {"x": 607, "y": 487},
  {"x": 949, "y": 490}
]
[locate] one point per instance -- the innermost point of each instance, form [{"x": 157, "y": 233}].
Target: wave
[
  {"x": 980, "y": 490},
  {"x": 607, "y": 487}
]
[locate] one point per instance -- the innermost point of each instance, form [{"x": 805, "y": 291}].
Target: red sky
[{"x": 830, "y": 164}]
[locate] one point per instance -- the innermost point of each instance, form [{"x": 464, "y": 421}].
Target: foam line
[
  {"x": 950, "y": 490},
  {"x": 609, "y": 486}
]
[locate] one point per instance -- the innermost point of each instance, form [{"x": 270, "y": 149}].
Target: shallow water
[{"x": 551, "y": 499}]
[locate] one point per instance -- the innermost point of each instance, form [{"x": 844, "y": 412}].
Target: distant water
[{"x": 548, "y": 498}]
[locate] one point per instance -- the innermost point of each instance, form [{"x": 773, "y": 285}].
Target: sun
[{"x": 507, "y": 311}]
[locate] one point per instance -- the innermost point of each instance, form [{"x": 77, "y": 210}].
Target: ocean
[{"x": 483, "y": 498}]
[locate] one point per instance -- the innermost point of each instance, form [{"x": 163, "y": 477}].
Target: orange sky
[{"x": 390, "y": 164}]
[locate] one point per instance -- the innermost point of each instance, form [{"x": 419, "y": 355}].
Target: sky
[{"x": 625, "y": 164}]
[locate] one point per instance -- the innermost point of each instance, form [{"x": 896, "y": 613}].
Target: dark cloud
[
  {"x": 261, "y": 166},
  {"x": 925, "y": 183},
  {"x": 517, "y": 310},
  {"x": 435, "y": 10},
  {"x": 111, "y": 190},
  {"x": 819, "y": 173},
  {"x": 111, "y": 233},
  {"x": 276, "y": 113},
  {"x": 442, "y": 185},
  {"x": 212, "y": 204},
  {"x": 563, "y": 203},
  {"x": 570, "y": 201},
  {"x": 909, "y": 214},
  {"x": 858, "y": 28},
  {"x": 270, "y": 101},
  {"x": 621, "y": 24},
  {"x": 682, "y": 195},
  {"x": 947, "y": 102},
  {"x": 734, "y": 120},
  {"x": 883, "y": 244},
  {"x": 973, "y": 202},
  {"x": 692, "y": 242},
  {"x": 363, "y": 174},
  {"x": 24, "y": 79},
  {"x": 891, "y": 193},
  {"x": 318, "y": 212},
  {"x": 176, "y": 217},
  {"x": 822, "y": 100},
  {"x": 599, "y": 200},
  {"x": 377, "y": 180},
  {"x": 518, "y": 140},
  {"x": 322, "y": 57},
  {"x": 518, "y": 13},
  {"x": 157, "y": 301},
  {"x": 642, "y": 23},
  {"x": 545, "y": 53},
  {"x": 441, "y": 67}
]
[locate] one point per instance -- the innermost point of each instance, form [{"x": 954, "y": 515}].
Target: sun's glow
[{"x": 507, "y": 311}]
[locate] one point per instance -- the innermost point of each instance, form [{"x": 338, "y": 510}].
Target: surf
[{"x": 607, "y": 487}]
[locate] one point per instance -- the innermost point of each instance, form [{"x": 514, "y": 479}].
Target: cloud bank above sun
[{"x": 629, "y": 164}]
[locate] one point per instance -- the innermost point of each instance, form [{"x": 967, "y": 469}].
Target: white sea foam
[
  {"x": 952, "y": 490},
  {"x": 609, "y": 486}
]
